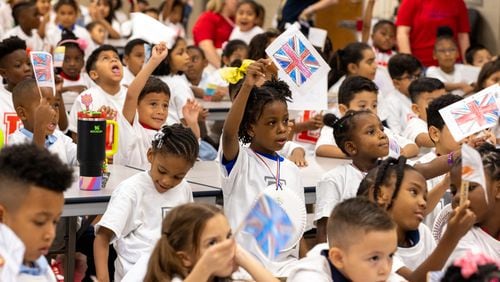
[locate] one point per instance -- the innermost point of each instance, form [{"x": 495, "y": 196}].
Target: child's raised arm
[
  {"x": 216, "y": 258},
  {"x": 190, "y": 111},
  {"x": 230, "y": 144},
  {"x": 158, "y": 54},
  {"x": 258, "y": 272}
]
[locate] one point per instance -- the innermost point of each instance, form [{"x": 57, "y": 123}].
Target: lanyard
[{"x": 278, "y": 165}]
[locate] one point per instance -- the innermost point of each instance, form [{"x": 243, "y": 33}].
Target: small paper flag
[
  {"x": 269, "y": 224},
  {"x": 59, "y": 56},
  {"x": 43, "y": 69}
]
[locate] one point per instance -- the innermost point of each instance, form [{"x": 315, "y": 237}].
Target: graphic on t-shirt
[
  {"x": 12, "y": 123},
  {"x": 272, "y": 181}
]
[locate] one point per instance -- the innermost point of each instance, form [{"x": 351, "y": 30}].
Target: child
[
  {"x": 133, "y": 60},
  {"x": 472, "y": 266},
  {"x": 15, "y": 66},
  {"x": 105, "y": 69},
  {"x": 259, "y": 116},
  {"x": 383, "y": 41},
  {"x": 66, "y": 15},
  {"x": 74, "y": 80},
  {"x": 132, "y": 219},
  {"x": 97, "y": 33},
  {"x": 360, "y": 93},
  {"x": 40, "y": 118},
  {"x": 484, "y": 202},
  {"x": 362, "y": 240},
  {"x": 457, "y": 78},
  {"x": 422, "y": 92},
  {"x": 195, "y": 73},
  {"x": 196, "y": 245},
  {"x": 246, "y": 27},
  {"x": 32, "y": 182},
  {"x": 258, "y": 44},
  {"x": 403, "y": 69},
  {"x": 145, "y": 111},
  {"x": 44, "y": 8},
  {"x": 401, "y": 190},
  {"x": 27, "y": 20},
  {"x": 175, "y": 17},
  {"x": 488, "y": 76},
  {"x": 103, "y": 12},
  {"x": 477, "y": 55}
]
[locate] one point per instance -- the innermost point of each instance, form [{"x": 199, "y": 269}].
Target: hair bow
[
  {"x": 233, "y": 74},
  {"x": 469, "y": 263}
]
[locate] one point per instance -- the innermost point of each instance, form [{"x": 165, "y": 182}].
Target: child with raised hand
[
  {"x": 27, "y": 19},
  {"x": 75, "y": 80},
  {"x": 359, "y": 93},
  {"x": 401, "y": 190},
  {"x": 32, "y": 182},
  {"x": 259, "y": 116},
  {"x": 422, "y": 91},
  {"x": 484, "y": 203},
  {"x": 15, "y": 66},
  {"x": 133, "y": 60},
  {"x": 44, "y": 8},
  {"x": 362, "y": 240},
  {"x": 67, "y": 12},
  {"x": 247, "y": 15},
  {"x": 137, "y": 206},
  {"x": 145, "y": 111},
  {"x": 196, "y": 245},
  {"x": 102, "y": 11}
]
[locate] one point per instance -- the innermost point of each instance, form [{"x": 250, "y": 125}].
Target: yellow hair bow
[{"x": 232, "y": 74}]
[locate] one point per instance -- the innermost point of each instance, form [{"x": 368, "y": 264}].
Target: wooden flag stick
[{"x": 464, "y": 192}]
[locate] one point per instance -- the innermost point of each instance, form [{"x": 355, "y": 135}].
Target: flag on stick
[
  {"x": 43, "y": 69},
  {"x": 472, "y": 171}
]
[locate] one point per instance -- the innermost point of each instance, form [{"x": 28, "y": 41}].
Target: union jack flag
[
  {"x": 296, "y": 60},
  {"x": 482, "y": 112},
  {"x": 42, "y": 67},
  {"x": 270, "y": 225}
]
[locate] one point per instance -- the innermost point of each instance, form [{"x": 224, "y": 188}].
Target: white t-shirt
[
  {"x": 6, "y": 18},
  {"x": 423, "y": 246},
  {"x": 63, "y": 145},
  {"x": 398, "y": 111},
  {"x": 461, "y": 73},
  {"x": 180, "y": 92},
  {"x": 33, "y": 42},
  {"x": 248, "y": 177},
  {"x": 98, "y": 99},
  {"x": 135, "y": 213},
  {"x": 135, "y": 140},
  {"x": 414, "y": 128},
  {"x": 69, "y": 97},
  {"x": 9, "y": 121},
  {"x": 128, "y": 77},
  {"x": 431, "y": 183},
  {"x": 246, "y": 36},
  {"x": 336, "y": 185},
  {"x": 53, "y": 36},
  {"x": 477, "y": 241},
  {"x": 382, "y": 58}
]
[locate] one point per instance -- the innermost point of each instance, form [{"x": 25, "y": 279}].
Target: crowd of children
[{"x": 392, "y": 212}]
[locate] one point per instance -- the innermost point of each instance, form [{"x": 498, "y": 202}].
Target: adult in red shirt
[
  {"x": 417, "y": 23},
  {"x": 214, "y": 27}
]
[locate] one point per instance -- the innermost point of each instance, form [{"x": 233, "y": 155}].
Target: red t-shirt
[
  {"x": 424, "y": 17},
  {"x": 212, "y": 26}
]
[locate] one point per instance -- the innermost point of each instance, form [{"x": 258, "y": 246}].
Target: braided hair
[
  {"x": 270, "y": 91},
  {"x": 177, "y": 140},
  {"x": 344, "y": 128},
  {"x": 491, "y": 160}
]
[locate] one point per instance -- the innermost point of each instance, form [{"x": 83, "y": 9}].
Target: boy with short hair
[
  {"x": 27, "y": 21},
  {"x": 97, "y": 33},
  {"x": 422, "y": 91},
  {"x": 106, "y": 71},
  {"x": 133, "y": 60},
  {"x": 362, "y": 241},
  {"x": 32, "y": 182},
  {"x": 15, "y": 66},
  {"x": 359, "y": 93},
  {"x": 403, "y": 69},
  {"x": 477, "y": 55},
  {"x": 40, "y": 118},
  {"x": 383, "y": 41}
]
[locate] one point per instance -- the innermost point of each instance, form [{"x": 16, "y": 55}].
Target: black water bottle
[{"x": 91, "y": 149}]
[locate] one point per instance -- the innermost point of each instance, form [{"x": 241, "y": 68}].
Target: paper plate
[
  {"x": 295, "y": 207},
  {"x": 441, "y": 221}
]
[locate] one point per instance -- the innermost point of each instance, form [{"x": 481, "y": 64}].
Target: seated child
[
  {"x": 137, "y": 206},
  {"x": 477, "y": 55},
  {"x": 97, "y": 33},
  {"x": 360, "y": 93},
  {"x": 383, "y": 41},
  {"x": 40, "y": 118},
  {"x": 403, "y": 69},
  {"x": 457, "y": 78},
  {"x": 401, "y": 190},
  {"x": 362, "y": 240},
  {"x": 105, "y": 69},
  {"x": 27, "y": 20},
  {"x": 75, "y": 80},
  {"x": 422, "y": 92},
  {"x": 145, "y": 111},
  {"x": 175, "y": 17},
  {"x": 15, "y": 66},
  {"x": 152, "y": 12},
  {"x": 196, "y": 245},
  {"x": 259, "y": 116},
  {"x": 247, "y": 14},
  {"x": 488, "y": 76},
  {"x": 196, "y": 73},
  {"x": 133, "y": 60},
  {"x": 472, "y": 266},
  {"x": 32, "y": 182},
  {"x": 484, "y": 203}
]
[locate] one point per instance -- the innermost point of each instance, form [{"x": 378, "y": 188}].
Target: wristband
[{"x": 450, "y": 158}]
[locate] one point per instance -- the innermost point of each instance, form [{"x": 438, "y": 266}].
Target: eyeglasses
[
  {"x": 411, "y": 77},
  {"x": 449, "y": 50}
]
